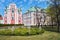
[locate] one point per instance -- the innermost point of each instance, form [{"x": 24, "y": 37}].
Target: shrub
[
  {"x": 17, "y": 31},
  {"x": 6, "y": 32},
  {"x": 24, "y": 31},
  {"x": 50, "y": 28},
  {"x": 21, "y": 31},
  {"x": 2, "y": 32},
  {"x": 32, "y": 31},
  {"x": 11, "y": 25},
  {"x": 41, "y": 31},
  {"x": 37, "y": 30}
]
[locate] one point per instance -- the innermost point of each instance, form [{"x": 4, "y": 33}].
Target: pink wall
[{"x": 17, "y": 16}]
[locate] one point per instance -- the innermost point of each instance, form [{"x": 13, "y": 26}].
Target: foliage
[
  {"x": 34, "y": 31},
  {"x": 54, "y": 9},
  {"x": 46, "y": 36},
  {"x": 6, "y": 32},
  {"x": 49, "y": 28},
  {"x": 16, "y": 32},
  {"x": 22, "y": 31},
  {"x": 11, "y": 25}
]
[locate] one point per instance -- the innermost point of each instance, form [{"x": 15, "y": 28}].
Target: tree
[
  {"x": 51, "y": 13},
  {"x": 39, "y": 17},
  {"x": 38, "y": 23},
  {"x": 55, "y": 9}
]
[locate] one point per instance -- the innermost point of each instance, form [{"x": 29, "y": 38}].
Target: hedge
[
  {"x": 11, "y": 25},
  {"x": 22, "y": 31}
]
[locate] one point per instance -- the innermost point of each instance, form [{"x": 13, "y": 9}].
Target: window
[
  {"x": 19, "y": 20},
  {"x": 12, "y": 10},
  {"x": 19, "y": 11},
  {"x": 5, "y": 20},
  {"x": 12, "y": 18}
]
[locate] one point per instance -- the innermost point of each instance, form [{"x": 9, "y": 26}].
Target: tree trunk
[
  {"x": 57, "y": 23},
  {"x": 52, "y": 21}
]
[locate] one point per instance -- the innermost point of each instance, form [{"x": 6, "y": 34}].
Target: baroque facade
[
  {"x": 12, "y": 15},
  {"x": 30, "y": 17}
]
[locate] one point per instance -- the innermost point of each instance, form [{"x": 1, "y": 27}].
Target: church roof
[{"x": 34, "y": 9}]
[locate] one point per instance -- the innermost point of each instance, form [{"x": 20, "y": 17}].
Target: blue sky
[{"x": 24, "y": 4}]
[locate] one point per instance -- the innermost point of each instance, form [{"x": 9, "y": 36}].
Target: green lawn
[{"x": 45, "y": 36}]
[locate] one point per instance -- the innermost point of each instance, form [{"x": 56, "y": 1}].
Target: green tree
[
  {"x": 51, "y": 13},
  {"x": 54, "y": 10}
]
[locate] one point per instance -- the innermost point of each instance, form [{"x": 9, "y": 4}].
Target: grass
[{"x": 45, "y": 36}]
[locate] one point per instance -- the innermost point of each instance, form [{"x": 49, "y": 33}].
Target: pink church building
[{"x": 12, "y": 15}]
